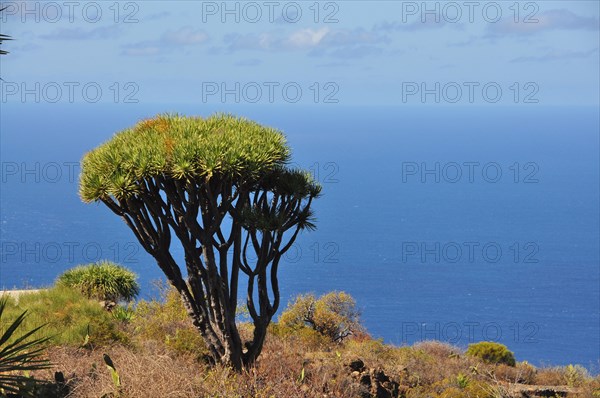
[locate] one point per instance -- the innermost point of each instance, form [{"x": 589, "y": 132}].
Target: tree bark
[{"x": 194, "y": 211}]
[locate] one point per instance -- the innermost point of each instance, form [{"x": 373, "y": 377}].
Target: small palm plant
[{"x": 19, "y": 354}]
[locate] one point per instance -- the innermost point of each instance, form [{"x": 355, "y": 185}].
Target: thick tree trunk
[
  {"x": 254, "y": 348},
  {"x": 233, "y": 356}
]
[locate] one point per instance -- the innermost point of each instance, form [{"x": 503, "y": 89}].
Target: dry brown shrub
[
  {"x": 438, "y": 349},
  {"x": 550, "y": 377}
]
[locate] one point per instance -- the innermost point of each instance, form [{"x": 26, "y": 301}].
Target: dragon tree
[{"x": 222, "y": 187}]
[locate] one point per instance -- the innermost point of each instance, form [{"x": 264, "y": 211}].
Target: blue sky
[{"x": 344, "y": 52}]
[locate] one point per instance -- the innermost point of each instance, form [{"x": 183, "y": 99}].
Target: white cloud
[
  {"x": 168, "y": 42},
  {"x": 307, "y": 38},
  {"x": 354, "y": 43},
  {"x": 277, "y": 41},
  {"x": 185, "y": 36}
]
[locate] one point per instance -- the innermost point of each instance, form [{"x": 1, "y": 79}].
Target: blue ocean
[{"x": 454, "y": 223}]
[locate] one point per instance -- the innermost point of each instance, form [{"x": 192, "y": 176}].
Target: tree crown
[{"x": 184, "y": 148}]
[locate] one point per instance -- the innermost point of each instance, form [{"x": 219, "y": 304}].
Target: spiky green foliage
[
  {"x": 103, "y": 280},
  {"x": 222, "y": 187},
  {"x": 19, "y": 352},
  {"x": 3, "y": 37},
  {"x": 182, "y": 148}
]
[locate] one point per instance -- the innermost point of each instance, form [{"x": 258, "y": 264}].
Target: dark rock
[
  {"x": 378, "y": 391},
  {"x": 108, "y": 305},
  {"x": 392, "y": 386},
  {"x": 520, "y": 390},
  {"x": 357, "y": 365},
  {"x": 365, "y": 393},
  {"x": 365, "y": 380},
  {"x": 374, "y": 383},
  {"x": 379, "y": 375}
]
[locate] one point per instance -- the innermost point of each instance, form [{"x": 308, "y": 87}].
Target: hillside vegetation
[{"x": 317, "y": 349}]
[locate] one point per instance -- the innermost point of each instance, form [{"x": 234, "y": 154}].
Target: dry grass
[
  {"x": 153, "y": 370},
  {"x": 148, "y": 372},
  {"x": 550, "y": 377},
  {"x": 162, "y": 356},
  {"x": 295, "y": 367}
]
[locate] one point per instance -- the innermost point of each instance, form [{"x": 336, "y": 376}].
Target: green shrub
[
  {"x": 462, "y": 381},
  {"x": 576, "y": 375},
  {"x": 472, "y": 389},
  {"x": 333, "y": 315},
  {"x": 308, "y": 337},
  {"x": 491, "y": 352},
  {"x": 104, "y": 280},
  {"x": 69, "y": 317},
  {"x": 123, "y": 313},
  {"x": 371, "y": 349}
]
